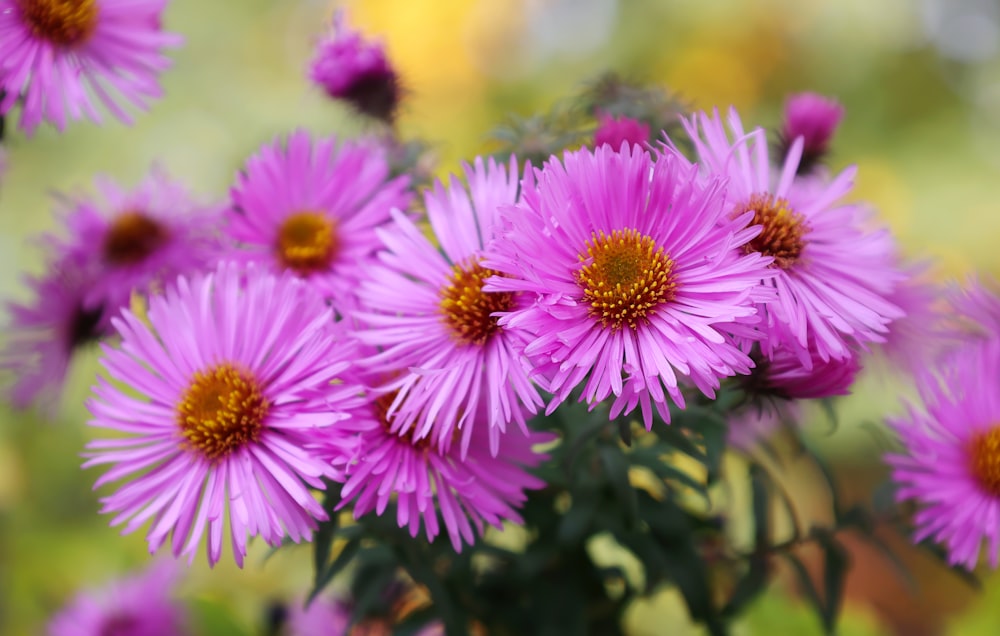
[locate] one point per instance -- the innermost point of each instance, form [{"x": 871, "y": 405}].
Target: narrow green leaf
[
  {"x": 576, "y": 522},
  {"x": 806, "y": 582},
  {"x": 616, "y": 467},
  {"x": 836, "y": 562},
  {"x": 326, "y": 574}
]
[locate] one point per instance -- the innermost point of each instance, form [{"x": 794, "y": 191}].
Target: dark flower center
[
  {"x": 628, "y": 276},
  {"x": 984, "y": 460},
  {"x": 222, "y": 410},
  {"x": 132, "y": 238},
  {"x": 307, "y": 242},
  {"x": 61, "y": 22},
  {"x": 467, "y": 309},
  {"x": 783, "y": 230},
  {"x": 84, "y": 326}
]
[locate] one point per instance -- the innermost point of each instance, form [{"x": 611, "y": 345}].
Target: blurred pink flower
[
  {"x": 615, "y": 131},
  {"x": 814, "y": 118}
]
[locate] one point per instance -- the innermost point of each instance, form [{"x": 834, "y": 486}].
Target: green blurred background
[{"x": 921, "y": 83}]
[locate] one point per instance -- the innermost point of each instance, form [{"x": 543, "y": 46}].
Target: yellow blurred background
[{"x": 921, "y": 84}]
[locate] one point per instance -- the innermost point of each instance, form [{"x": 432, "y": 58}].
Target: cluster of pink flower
[{"x": 311, "y": 331}]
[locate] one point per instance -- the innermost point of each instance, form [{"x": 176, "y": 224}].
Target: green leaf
[
  {"x": 574, "y": 525},
  {"x": 325, "y": 574},
  {"x": 750, "y": 585},
  {"x": 836, "y": 562},
  {"x": 808, "y": 587},
  {"x": 616, "y": 467}
]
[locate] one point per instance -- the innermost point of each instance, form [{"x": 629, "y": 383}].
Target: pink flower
[
  {"x": 814, "y": 118},
  {"x": 139, "y": 605},
  {"x": 429, "y": 483},
  {"x": 615, "y": 131},
  {"x": 321, "y": 617},
  {"x": 312, "y": 208},
  {"x": 56, "y": 56},
  {"x": 427, "y": 312},
  {"x": 235, "y": 371},
  {"x": 356, "y": 70},
  {"x": 834, "y": 277},
  {"x": 784, "y": 376},
  {"x": 638, "y": 275},
  {"x": 139, "y": 240},
  {"x": 43, "y": 335},
  {"x": 950, "y": 461}
]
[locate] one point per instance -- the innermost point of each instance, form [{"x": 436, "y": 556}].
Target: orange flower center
[
  {"x": 222, "y": 410},
  {"x": 984, "y": 460},
  {"x": 66, "y": 23},
  {"x": 132, "y": 237},
  {"x": 783, "y": 229},
  {"x": 625, "y": 278},
  {"x": 467, "y": 309},
  {"x": 308, "y": 242}
]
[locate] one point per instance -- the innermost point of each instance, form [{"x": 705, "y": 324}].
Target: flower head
[
  {"x": 139, "y": 605},
  {"x": 430, "y": 483},
  {"x": 638, "y": 276},
  {"x": 427, "y": 312},
  {"x": 57, "y": 55},
  {"x": 312, "y": 208},
  {"x": 782, "y": 375},
  {"x": 814, "y": 118},
  {"x": 950, "y": 463},
  {"x": 235, "y": 370},
  {"x": 43, "y": 335},
  {"x": 833, "y": 275},
  {"x": 356, "y": 70},
  {"x": 139, "y": 240},
  {"x": 615, "y": 131}
]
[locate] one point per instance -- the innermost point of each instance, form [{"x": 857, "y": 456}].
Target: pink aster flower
[
  {"x": 56, "y": 56},
  {"x": 139, "y": 240},
  {"x": 833, "y": 276},
  {"x": 234, "y": 371},
  {"x": 321, "y": 617},
  {"x": 639, "y": 278},
  {"x": 43, "y": 335},
  {"x": 349, "y": 67},
  {"x": 430, "y": 484},
  {"x": 427, "y": 312},
  {"x": 615, "y": 131},
  {"x": 973, "y": 310},
  {"x": 950, "y": 463},
  {"x": 752, "y": 425},
  {"x": 313, "y": 208},
  {"x": 920, "y": 337},
  {"x": 139, "y": 605},
  {"x": 784, "y": 376},
  {"x": 814, "y": 118}
]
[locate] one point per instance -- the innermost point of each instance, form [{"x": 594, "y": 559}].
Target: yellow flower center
[
  {"x": 783, "y": 229},
  {"x": 308, "y": 242},
  {"x": 467, "y": 308},
  {"x": 222, "y": 410},
  {"x": 625, "y": 278},
  {"x": 132, "y": 237},
  {"x": 61, "y": 22},
  {"x": 984, "y": 460}
]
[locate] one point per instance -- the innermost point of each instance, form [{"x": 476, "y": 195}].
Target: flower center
[
  {"x": 84, "y": 326},
  {"x": 222, "y": 410},
  {"x": 60, "y": 22},
  {"x": 984, "y": 460},
  {"x": 307, "y": 242},
  {"x": 132, "y": 237},
  {"x": 627, "y": 277},
  {"x": 381, "y": 405},
  {"x": 783, "y": 229},
  {"x": 467, "y": 309}
]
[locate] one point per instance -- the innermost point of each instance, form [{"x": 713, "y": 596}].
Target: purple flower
[
  {"x": 140, "y": 605},
  {"x": 615, "y": 131},
  {"x": 43, "y": 335},
  {"x": 235, "y": 371},
  {"x": 430, "y": 484},
  {"x": 427, "y": 312},
  {"x": 638, "y": 274},
  {"x": 356, "y": 70},
  {"x": 139, "y": 240},
  {"x": 321, "y": 617},
  {"x": 784, "y": 376},
  {"x": 56, "y": 56},
  {"x": 312, "y": 208},
  {"x": 833, "y": 276},
  {"x": 814, "y": 118},
  {"x": 950, "y": 463}
]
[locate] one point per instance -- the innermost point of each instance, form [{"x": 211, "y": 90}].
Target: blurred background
[{"x": 920, "y": 80}]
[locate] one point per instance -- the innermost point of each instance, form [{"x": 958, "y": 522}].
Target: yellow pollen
[
  {"x": 625, "y": 277},
  {"x": 783, "y": 229},
  {"x": 66, "y": 23},
  {"x": 132, "y": 237},
  {"x": 307, "y": 242},
  {"x": 222, "y": 410},
  {"x": 984, "y": 460},
  {"x": 467, "y": 308}
]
